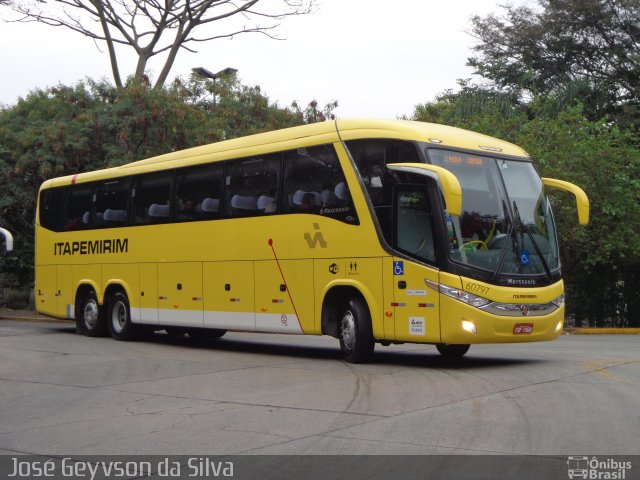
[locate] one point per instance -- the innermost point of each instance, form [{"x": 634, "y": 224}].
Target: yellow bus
[{"x": 368, "y": 231}]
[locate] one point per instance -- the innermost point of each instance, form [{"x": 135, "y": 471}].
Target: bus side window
[
  {"x": 314, "y": 183},
  {"x": 414, "y": 223},
  {"x": 111, "y": 200},
  {"x": 52, "y": 205},
  {"x": 198, "y": 192},
  {"x": 150, "y": 198},
  {"x": 252, "y": 186},
  {"x": 371, "y": 157},
  {"x": 78, "y": 207}
]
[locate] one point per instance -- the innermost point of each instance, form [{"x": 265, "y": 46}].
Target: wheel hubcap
[
  {"x": 348, "y": 330},
  {"x": 119, "y": 316},
  {"x": 90, "y": 314}
]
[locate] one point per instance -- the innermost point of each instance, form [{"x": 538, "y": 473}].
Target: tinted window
[
  {"x": 314, "y": 183},
  {"x": 414, "y": 223},
  {"x": 111, "y": 199},
  {"x": 252, "y": 186},
  {"x": 78, "y": 207},
  {"x": 52, "y": 204},
  {"x": 199, "y": 192},
  {"x": 150, "y": 198},
  {"x": 372, "y": 157}
]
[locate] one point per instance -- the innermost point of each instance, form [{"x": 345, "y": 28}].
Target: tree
[
  {"x": 65, "y": 130},
  {"x": 152, "y": 27},
  {"x": 593, "y": 45}
]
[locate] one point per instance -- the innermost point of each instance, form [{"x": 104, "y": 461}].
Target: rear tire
[
  {"x": 452, "y": 352},
  {"x": 356, "y": 337},
  {"x": 90, "y": 319},
  {"x": 119, "y": 318}
]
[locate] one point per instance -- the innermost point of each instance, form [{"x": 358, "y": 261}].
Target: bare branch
[{"x": 155, "y": 27}]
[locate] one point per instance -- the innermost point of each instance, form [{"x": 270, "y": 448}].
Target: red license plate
[{"x": 523, "y": 328}]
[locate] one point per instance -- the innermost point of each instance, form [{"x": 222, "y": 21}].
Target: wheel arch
[
  {"x": 335, "y": 296},
  {"x": 82, "y": 287},
  {"x": 116, "y": 286}
]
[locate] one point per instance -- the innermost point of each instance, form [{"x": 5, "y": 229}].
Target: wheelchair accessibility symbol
[{"x": 398, "y": 268}]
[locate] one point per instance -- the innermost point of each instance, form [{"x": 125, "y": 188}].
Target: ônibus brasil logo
[{"x": 596, "y": 469}]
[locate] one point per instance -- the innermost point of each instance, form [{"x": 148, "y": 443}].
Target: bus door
[
  {"x": 416, "y": 307},
  {"x": 180, "y": 294}
]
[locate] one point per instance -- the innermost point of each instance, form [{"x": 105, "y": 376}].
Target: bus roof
[{"x": 294, "y": 137}]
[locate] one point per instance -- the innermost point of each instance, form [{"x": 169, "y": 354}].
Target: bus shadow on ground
[{"x": 426, "y": 358}]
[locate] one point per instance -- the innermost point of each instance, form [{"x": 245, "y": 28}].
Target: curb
[
  {"x": 602, "y": 331},
  {"x": 30, "y": 318}
]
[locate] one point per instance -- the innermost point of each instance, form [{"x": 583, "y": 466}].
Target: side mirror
[
  {"x": 582, "y": 201},
  {"x": 446, "y": 180},
  {"x": 8, "y": 239}
]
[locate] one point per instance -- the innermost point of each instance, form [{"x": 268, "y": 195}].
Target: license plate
[{"x": 523, "y": 328}]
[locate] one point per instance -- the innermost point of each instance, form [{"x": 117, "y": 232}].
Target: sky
[{"x": 378, "y": 59}]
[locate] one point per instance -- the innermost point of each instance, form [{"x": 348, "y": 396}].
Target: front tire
[
  {"x": 452, "y": 352},
  {"x": 119, "y": 318},
  {"x": 356, "y": 337},
  {"x": 90, "y": 319}
]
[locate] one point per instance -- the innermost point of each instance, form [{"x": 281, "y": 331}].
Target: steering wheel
[
  {"x": 483, "y": 244},
  {"x": 421, "y": 246}
]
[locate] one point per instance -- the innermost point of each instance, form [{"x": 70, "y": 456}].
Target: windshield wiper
[
  {"x": 509, "y": 235},
  {"x": 524, "y": 227}
]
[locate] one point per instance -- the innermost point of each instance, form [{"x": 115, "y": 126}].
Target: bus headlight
[
  {"x": 558, "y": 301},
  {"x": 465, "y": 297}
]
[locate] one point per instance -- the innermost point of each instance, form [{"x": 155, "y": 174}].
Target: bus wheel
[
  {"x": 452, "y": 351},
  {"x": 119, "y": 318},
  {"x": 90, "y": 317},
  {"x": 356, "y": 338},
  {"x": 205, "y": 333}
]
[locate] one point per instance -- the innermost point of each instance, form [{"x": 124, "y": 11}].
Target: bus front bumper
[{"x": 465, "y": 324}]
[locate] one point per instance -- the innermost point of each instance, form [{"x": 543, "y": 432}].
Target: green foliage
[
  {"x": 92, "y": 125},
  {"x": 601, "y": 261},
  {"x": 476, "y": 109},
  {"x": 593, "y": 46}
]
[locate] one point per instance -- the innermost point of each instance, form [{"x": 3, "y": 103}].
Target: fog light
[
  {"x": 559, "y": 327},
  {"x": 469, "y": 327}
]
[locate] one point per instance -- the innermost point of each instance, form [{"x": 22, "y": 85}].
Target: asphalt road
[{"x": 65, "y": 394}]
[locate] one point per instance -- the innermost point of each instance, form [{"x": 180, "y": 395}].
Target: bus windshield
[{"x": 506, "y": 225}]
